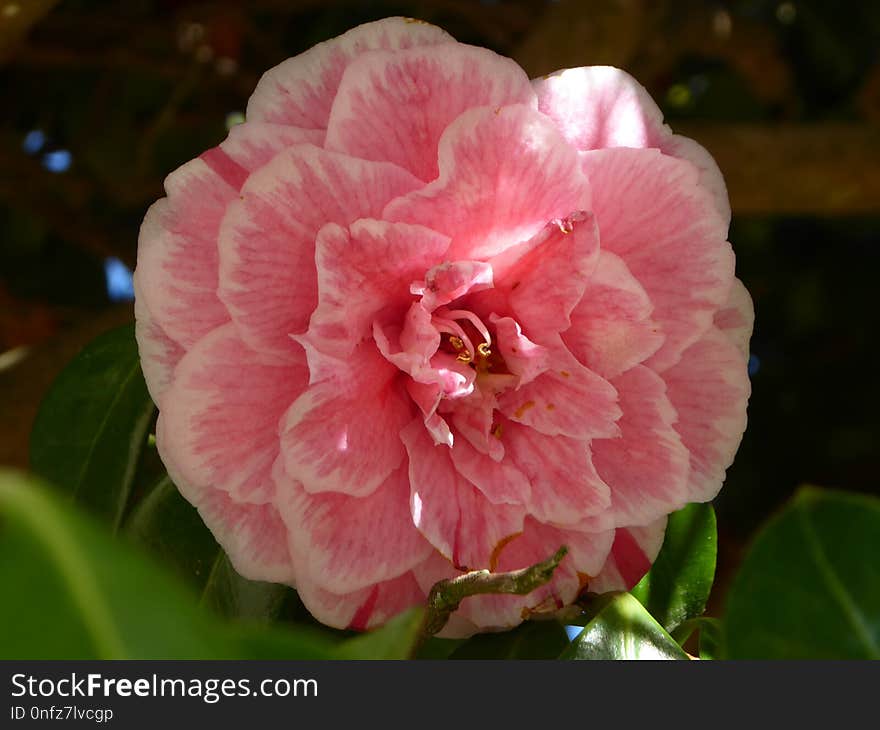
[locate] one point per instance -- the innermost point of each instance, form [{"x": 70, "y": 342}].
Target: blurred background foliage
[{"x": 100, "y": 100}]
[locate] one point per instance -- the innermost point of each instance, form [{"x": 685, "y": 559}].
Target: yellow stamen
[{"x": 483, "y": 349}]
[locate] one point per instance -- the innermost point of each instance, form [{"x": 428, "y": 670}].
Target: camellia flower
[{"x": 419, "y": 315}]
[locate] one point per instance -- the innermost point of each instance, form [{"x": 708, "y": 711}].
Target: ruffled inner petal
[
  {"x": 503, "y": 174},
  {"x": 268, "y": 276}
]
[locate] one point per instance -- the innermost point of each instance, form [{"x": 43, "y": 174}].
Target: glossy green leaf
[
  {"x": 678, "y": 584},
  {"x": 92, "y": 425},
  {"x": 394, "y": 640},
  {"x": 710, "y": 633},
  {"x": 80, "y": 594},
  {"x": 622, "y": 629},
  {"x": 531, "y": 640},
  {"x": 169, "y": 527},
  {"x": 809, "y": 587},
  {"x": 712, "y": 639}
]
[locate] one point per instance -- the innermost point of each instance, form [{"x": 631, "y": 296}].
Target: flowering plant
[{"x": 419, "y": 316}]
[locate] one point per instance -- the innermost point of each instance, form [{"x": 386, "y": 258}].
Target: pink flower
[{"x": 419, "y": 315}]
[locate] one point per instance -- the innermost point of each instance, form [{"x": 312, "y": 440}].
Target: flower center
[{"x": 466, "y": 336}]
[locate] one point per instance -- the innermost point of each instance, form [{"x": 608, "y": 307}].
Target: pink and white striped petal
[
  {"x": 395, "y": 106},
  {"x": 647, "y": 467},
  {"x": 632, "y": 555},
  {"x": 220, "y": 416},
  {"x": 448, "y": 510},
  {"x": 567, "y": 399},
  {"x": 362, "y": 609},
  {"x": 503, "y": 174},
  {"x": 565, "y": 486},
  {"x": 550, "y": 278},
  {"x": 597, "y": 107},
  {"x": 363, "y": 271},
  {"x": 611, "y": 327},
  {"x": 253, "y": 536},
  {"x": 300, "y": 90},
  {"x": 177, "y": 271},
  {"x": 341, "y": 435},
  {"x": 268, "y": 278},
  {"x": 346, "y": 543},
  {"x": 653, "y": 214},
  {"x": 709, "y": 388},
  {"x": 159, "y": 354},
  {"x": 499, "y": 481},
  {"x": 685, "y": 148},
  {"x": 523, "y": 357},
  {"x": 737, "y": 317}
]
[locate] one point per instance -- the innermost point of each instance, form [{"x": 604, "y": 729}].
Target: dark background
[{"x": 100, "y": 100}]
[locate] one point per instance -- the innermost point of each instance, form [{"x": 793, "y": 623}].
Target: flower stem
[{"x": 446, "y": 595}]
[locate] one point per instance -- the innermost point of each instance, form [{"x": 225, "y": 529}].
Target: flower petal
[
  {"x": 647, "y": 466},
  {"x": 365, "y": 270},
  {"x": 597, "y": 107},
  {"x": 632, "y": 554},
  {"x": 220, "y": 415},
  {"x": 548, "y": 281},
  {"x": 268, "y": 278},
  {"x": 503, "y": 174},
  {"x": 611, "y": 327},
  {"x": 499, "y": 481},
  {"x": 253, "y": 536},
  {"x": 176, "y": 273},
  {"x": 159, "y": 354},
  {"x": 395, "y": 106},
  {"x": 709, "y": 387},
  {"x": 565, "y": 486},
  {"x": 342, "y": 434},
  {"x": 347, "y": 543},
  {"x": 362, "y": 609},
  {"x": 654, "y": 215},
  {"x": 737, "y": 318},
  {"x": 600, "y": 106},
  {"x": 523, "y": 357},
  {"x": 448, "y": 510},
  {"x": 300, "y": 90},
  {"x": 567, "y": 399},
  {"x": 684, "y": 148},
  {"x": 451, "y": 280},
  {"x": 177, "y": 267}
]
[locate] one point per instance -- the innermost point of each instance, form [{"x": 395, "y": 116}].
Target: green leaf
[
  {"x": 531, "y": 640},
  {"x": 80, "y": 594},
  {"x": 809, "y": 586},
  {"x": 678, "y": 584},
  {"x": 170, "y": 528},
  {"x": 622, "y": 629},
  {"x": 93, "y": 423},
  {"x": 711, "y": 636},
  {"x": 394, "y": 640},
  {"x": 712, "y": 639}
]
